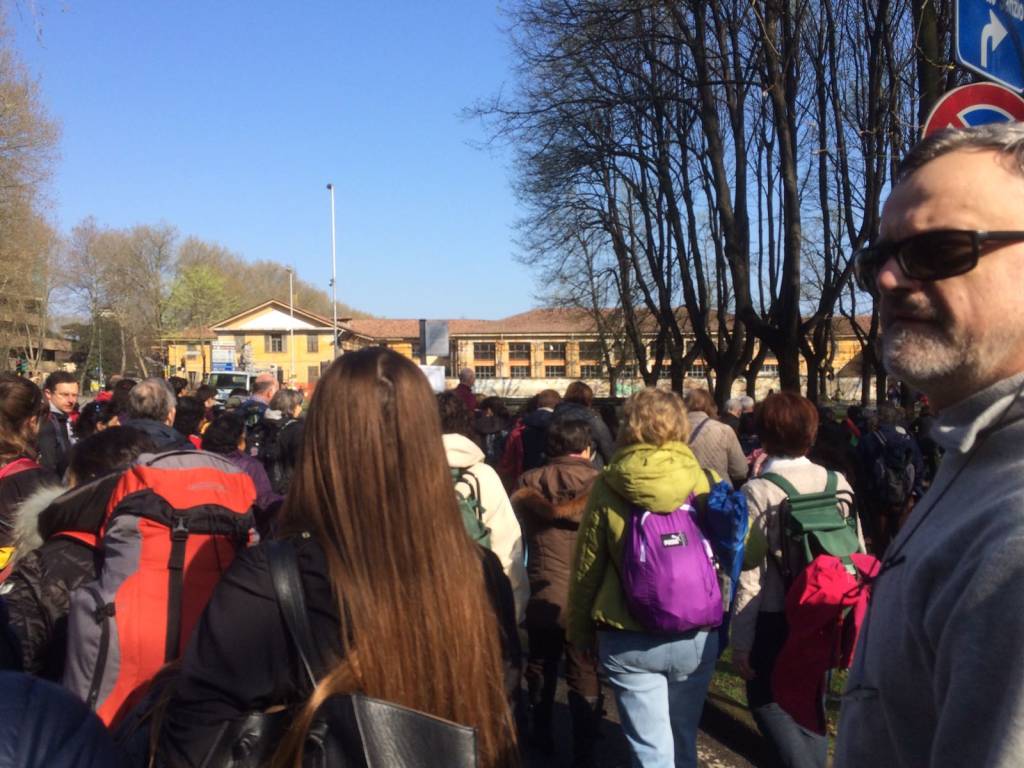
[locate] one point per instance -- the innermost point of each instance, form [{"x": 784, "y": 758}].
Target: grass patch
[{"x": 730, "y": 690}]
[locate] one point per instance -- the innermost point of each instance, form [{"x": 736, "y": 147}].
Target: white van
[{"x": 225, "y": 381}]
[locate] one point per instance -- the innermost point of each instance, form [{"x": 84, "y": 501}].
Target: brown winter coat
[{"x": 550, "y": 502}]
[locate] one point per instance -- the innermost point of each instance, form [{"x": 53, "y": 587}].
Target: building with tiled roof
[{"x": 515, "y": 356}]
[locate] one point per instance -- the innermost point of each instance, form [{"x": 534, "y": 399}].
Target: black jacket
[
  {"x": 164, "y": 437},
  {"x": 240, "y": 658},
  {"x": 13, "y": 491},
  {"x": 54, "y": 443},
  {"x": 535, "y": 435},
  {"x": 44, "y": 726},
  {"x": 42, "y": 580}
]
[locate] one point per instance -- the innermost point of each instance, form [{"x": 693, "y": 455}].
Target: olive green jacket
[{"x": 655, "y": 478}]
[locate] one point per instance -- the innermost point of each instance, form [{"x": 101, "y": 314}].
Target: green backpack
[
  {"x": 470, "y": 507},
  {"x": 814, "y": 522}
]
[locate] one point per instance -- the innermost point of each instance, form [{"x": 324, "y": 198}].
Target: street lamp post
[
  {"x": 334, "y": 274},
  {"x": 291, "y": 327}
]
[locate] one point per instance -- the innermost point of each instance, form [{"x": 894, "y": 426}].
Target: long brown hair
[
  {"x": 20, "y": 400},
  {"x": 373, "y": 486}
]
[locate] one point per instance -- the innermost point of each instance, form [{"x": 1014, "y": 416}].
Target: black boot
[{"x": 586, "y": 714}]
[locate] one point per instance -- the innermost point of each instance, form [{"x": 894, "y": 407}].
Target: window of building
[
  {"x": 519, "y": 371},
  {"x": 313, "y": 374},
  {"x": 591, "y": 350},
  {"x": 483, "y": 351},
  {"x": 273, "y": 342},
  {"x": 484, "y": 371},
  {"x": 769, "y": 369},
  {"x": 554, "y": 351},
  {"x": 554, "y": 371},
  {"x": 312, "y": 343},
  {"x": 519, "y": 350},
  {"x": 697, "y": 371},
  {"x": 628, "y": 371},
  {"x": 591, "y": 371},
  {"x": 666, "y": 371}
]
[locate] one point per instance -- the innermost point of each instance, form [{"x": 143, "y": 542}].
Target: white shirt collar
[{"x": 778, "y": 462}]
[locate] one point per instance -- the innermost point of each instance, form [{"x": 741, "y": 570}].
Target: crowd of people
[{"x": 386, "y": 575}]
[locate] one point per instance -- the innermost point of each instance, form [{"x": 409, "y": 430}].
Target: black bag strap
[
  {"x": 697, "y": 431},
  {"x": 287, "y": 582}
]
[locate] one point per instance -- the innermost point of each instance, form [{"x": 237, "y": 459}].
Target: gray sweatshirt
[{"x": 938, "y": 677}]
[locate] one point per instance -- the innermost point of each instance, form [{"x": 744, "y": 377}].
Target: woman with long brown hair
[
  {"x": 395, "y": 589},
  {"x": 21, "y": 408}
]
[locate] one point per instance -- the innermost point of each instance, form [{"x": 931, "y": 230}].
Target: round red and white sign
[{"x": 972, "y": 105}]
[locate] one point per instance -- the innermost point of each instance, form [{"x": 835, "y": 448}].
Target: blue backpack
[{"x": 668, "y": 571}]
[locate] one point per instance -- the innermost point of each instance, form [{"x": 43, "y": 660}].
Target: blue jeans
[{"x": 660, "y": 683}]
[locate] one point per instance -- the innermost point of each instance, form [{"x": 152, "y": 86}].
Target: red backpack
[
  {"x": 825, "y": 607},
  {"x": 173, "y": 525}
]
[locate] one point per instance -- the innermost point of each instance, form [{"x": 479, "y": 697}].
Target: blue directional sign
[{"x": 990, "y": 39}]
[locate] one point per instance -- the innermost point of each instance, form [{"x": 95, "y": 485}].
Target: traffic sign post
[
  {"x": 975, "y": 104},
  {"x": 990, "y": 39}
]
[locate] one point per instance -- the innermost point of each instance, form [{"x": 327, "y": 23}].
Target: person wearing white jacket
[{"x": 498, "y": 516}]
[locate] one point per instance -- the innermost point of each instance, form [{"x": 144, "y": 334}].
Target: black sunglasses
[{"x": 933, "y": 255}]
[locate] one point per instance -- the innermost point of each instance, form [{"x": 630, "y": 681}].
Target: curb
[{"x": 733, "y": 726}]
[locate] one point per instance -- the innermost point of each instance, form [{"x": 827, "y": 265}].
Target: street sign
[
  {"x": 975, "y": 104},
  {"x": 990, "y": 39},
  {"x": 223, "y": 357}
]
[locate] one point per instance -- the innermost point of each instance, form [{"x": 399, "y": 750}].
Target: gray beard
[{"x": 924, "y": 356}]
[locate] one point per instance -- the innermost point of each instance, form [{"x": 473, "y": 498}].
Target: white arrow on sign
[{"x": 993, "y": 32}]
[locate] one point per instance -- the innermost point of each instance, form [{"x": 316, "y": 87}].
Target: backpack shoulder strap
[
  {"x": 832, "y": 484},
  {"x": 284, "y": 575},
  {"x": 17, "y": 466},
  {"x": 781, "y": 482},
  {"x": 697, "y": 431}
]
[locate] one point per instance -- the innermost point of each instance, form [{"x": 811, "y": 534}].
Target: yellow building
[
  {"x": 516, "y": 356},
  {"x": 294, "y": 344}
]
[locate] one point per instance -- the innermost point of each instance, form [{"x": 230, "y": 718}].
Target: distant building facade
[
  {"x": 516, "y": 356},
  {"x": 28, "y": 341}
]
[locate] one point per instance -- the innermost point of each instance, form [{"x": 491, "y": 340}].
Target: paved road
[{"x": 612, "y": 750}]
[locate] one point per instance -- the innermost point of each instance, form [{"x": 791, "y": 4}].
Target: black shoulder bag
[{"x": 350, "y": 730}]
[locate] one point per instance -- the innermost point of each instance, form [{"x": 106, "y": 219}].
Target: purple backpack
[{"x": 668, "y": 574}]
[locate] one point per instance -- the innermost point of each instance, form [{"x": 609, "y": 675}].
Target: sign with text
[
  {"x": 222, "y": 357},
  {"x": 990, "y": 39},
  {"x": 972, "y": 105}
]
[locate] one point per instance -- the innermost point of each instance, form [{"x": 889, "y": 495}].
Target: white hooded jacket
[{"x": 506, "y": 535}]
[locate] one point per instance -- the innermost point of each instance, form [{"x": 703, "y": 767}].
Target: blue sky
[{"x": 227, "y": 120}]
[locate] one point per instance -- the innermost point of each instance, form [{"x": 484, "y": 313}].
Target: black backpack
[
  {"x": 271, "y": 454},
  {"x": 893, "y": 472},
  {"x": 256, "y": 429},
  {"x": 350, "y": 730}
]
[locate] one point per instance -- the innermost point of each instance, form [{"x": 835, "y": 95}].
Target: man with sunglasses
[{"x": 938, "y": 677}]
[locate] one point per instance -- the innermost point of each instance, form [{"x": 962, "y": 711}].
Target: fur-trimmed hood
[
  {"x": 54, "y": 508},
  {"x": 530, "y": 503},
  {"x": 26, "y": 536}
]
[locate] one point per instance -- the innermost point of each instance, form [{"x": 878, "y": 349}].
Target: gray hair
[
  {"x": 151, "y": 399},
  {"x": 733, "y": 404},
  {"x": 467, "y": 376},
  {"x": 746, "y": 402},
  {"x": 1005, "y": 139},
  {"x": 286, "y": 400}
]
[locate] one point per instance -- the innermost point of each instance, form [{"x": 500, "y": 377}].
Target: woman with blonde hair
[
  {"x": 395, "y": 590},
  {"x": 659, "y": 678}
]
